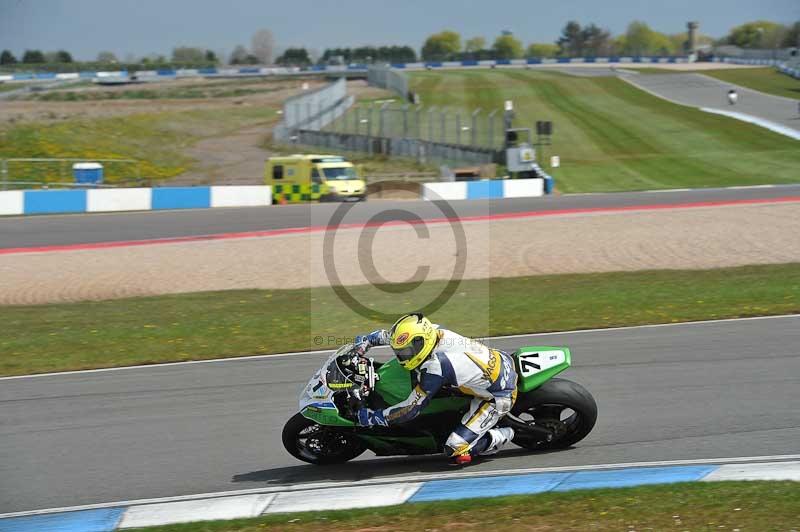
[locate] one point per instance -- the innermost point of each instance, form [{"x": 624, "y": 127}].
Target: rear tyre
[
  {"x": 563, "y": 407},
  {"x": 318, "y": 444}
]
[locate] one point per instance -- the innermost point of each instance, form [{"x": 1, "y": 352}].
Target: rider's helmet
[{"x": 413, "y": 338}]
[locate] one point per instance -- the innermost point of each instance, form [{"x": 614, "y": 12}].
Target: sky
[{"x": 141, "y": 27}]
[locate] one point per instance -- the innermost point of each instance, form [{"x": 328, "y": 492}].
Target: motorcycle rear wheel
[
  {"x": 564, "y": 407},
  {"x": 318, "y": 444}
]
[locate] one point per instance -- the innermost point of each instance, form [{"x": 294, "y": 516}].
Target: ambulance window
[
  {"x": 315, "y": 178},
  {"x": 277, "y": 172}
]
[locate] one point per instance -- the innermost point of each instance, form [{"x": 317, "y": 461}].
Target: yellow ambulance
[{"x": 301, "y": 178}]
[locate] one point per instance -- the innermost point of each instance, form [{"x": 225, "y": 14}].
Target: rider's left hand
[{"x": 370, "y": 418}]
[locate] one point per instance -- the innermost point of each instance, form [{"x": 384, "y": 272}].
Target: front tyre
[
  {"x": 563, "y": 407},
  {"x": 318, "y": 444}
]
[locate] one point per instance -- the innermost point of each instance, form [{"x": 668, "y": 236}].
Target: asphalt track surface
[
  {"x": 686, "y": 391},
  {"x": 697, "y": 90},
  {"x": 57, "y": 230}
]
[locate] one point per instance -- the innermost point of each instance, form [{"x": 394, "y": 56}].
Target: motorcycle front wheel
[
  {"x": 563, "y": 407},
  {"x": 317, "y": 444}
]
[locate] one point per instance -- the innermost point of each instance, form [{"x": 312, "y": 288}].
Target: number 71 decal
[{"x": 532, "y": 363}]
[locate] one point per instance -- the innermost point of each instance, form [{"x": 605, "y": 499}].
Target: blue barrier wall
[
  {"x": 357, "y": 67},
  {"x": 182, "y": 198},
  {"x": 54, "y": 201},
  {"x": 485, "y": 189},
  {"x": 26, "y": 202}
]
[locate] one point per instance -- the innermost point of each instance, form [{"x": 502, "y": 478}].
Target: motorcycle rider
[{"x": 441, "y": 358}]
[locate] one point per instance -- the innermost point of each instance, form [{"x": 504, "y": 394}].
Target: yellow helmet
[{"x": 413, "y": 338}]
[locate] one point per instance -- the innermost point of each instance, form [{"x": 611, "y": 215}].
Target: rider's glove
[
  {"x": 361, "y": 345},
  {"x": 370, "y": 418}
]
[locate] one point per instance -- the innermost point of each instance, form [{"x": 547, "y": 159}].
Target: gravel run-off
[{"x": 694, "y": 238}]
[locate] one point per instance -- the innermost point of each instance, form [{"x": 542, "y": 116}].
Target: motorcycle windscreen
[
  {"x": 336, "y": 378},
  {"x": 316, "y": 401}
]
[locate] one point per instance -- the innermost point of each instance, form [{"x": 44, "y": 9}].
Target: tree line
[
  {"x": 576, "y": 40},
  {"x": 594, "y": 41},
  {"x": 367, "y": 54}
]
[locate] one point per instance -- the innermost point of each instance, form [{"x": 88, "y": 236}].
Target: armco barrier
[
  {"x": 23, "y": 202},
  {"x": 484, "y": 189},
  {"x": 250, "y": 71}
]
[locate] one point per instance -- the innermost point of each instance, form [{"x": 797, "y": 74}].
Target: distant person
[{"x": 732, "y": 96}]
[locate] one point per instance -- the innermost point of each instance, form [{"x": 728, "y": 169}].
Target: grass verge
[
  {"x": 7, "y": 87},
  {"x": 60, "y": 337},
  {"x": 611, "y": 136},
  {"x": 155, "y": 139},
  {"x": 689, "y": 506},
  {"x": 206, "y": 89}
]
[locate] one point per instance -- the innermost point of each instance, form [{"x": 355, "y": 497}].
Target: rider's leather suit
[{"x": 458, "y": 362}]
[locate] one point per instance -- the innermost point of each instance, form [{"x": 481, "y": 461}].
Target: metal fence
[
  {"x": 386, "y": 78},
  {"x": 478, "y": 128},
  {"x": 327, "y": 118},
  {"x": 314, "y": 109},
  {"x": 419, "y": 149}
]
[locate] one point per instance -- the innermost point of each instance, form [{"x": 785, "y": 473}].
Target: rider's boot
[
  {"x": 460, "y": 455},
  {"x": 499, "y": 437}
]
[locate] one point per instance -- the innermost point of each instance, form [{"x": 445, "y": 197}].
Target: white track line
[
  {"x": 755, "y": 120},
  {"x": 324, "y": 351},
  {"x": 411, "y": 478}
]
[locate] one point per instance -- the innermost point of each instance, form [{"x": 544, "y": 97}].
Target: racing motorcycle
[{"x": 549, "y": 413}]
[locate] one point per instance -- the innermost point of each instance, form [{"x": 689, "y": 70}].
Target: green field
[
  {"x": 6, "y": 87},
  {"x": 731, "y": 506},
  {"x": 36, "y": 339},
  {"x": 217, "y": 89},
  {"x": 155, "y": 139},
  {"x": 766, "y": 80},
  {"x": 613, "y": 137},
  {"x": 610, "y": 136}
]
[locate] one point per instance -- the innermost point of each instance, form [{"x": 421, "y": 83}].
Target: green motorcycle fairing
[
  {"x": 393, "y": 386},
  {"x": 535, "y": 365}
]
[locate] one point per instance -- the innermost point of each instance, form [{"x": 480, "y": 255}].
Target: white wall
[
  {"x": 11, "y": 202},
  {"x": 447, "y": 191},
  {"x": 523, "y": 188},
  {"x": 120, "y": 199},
  {"x": 245, "y": 196}
]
